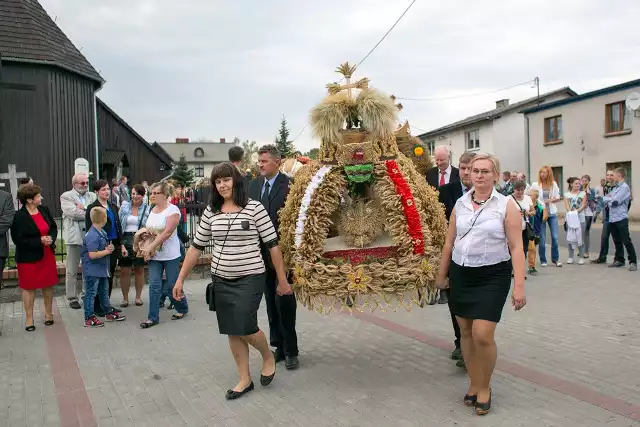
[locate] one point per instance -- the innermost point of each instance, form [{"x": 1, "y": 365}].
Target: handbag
[
  {"x": 531, "y": 234},
  {"x": 211, "y": 297},
  {"x": 182, "y": 235}
]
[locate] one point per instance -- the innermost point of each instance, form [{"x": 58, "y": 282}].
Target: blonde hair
[
  {"x": 98, "y": 216},
  {"x": 164, "y": 188},
  {"x": 547, "y": 183},
  {"x": 491, "y": 158}
]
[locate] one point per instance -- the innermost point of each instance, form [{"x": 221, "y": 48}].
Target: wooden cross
[{"x": 13, "y": 177}]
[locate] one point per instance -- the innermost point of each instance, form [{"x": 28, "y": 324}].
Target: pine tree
[
  {"x": 182, "y": 174},
  {"x": 282, "y": 140}
]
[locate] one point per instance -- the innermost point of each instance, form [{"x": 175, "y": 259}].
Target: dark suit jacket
[
  {"x": 448, "y": 195},
  {"x": 433, "y": 176},
  {"x": 277, "y": 197},
  {"x": 26, "y": 235},
  {"x": 7, "y": 213},
  {"x": 114, "y": 209}
]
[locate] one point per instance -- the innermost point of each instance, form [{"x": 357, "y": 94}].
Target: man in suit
[
  {"x": 443, "y": 173},
  {"x": 6, "y": 219},
  {"x": 236, "y": 157},
  {"x": 448, "y": 195},
  {"x": 272, "y": 188}
]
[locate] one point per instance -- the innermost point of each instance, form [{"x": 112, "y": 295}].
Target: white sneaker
[
  {"x": 544, "y": 264},
  {"x": 581, "y": 261},
  {"x": 570, "y": 261},
  {"x": 558, "y": 264}
]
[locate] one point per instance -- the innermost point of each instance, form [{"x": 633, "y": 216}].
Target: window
[
  {"x": 431, "y": 146},
  {"x": 558, "y": 176},
  {"x": 198, "y": 152},
  {"x": 199, "y": 171},
  {"x": 553, "y": 129},
  {"x": 617, "y": 117},
  {"x": 473, "y": 139}
]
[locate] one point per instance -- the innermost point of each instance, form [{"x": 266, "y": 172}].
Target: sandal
[
  {"x": 124, "y": 304},
  {"x": 177, "y": 317},
  {"x": 147, "y": 324},
  {"x": 139, "y": 303}
]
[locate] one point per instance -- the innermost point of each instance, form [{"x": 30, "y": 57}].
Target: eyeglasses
[
  {"x": 82, "y": 182},
  {"x": 156, "y": 193}
]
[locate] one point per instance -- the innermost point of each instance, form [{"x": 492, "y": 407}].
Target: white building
[
  {"x": 500, "y": 131},
  {"x": 586, "y": 134},
  {"x": 201, "y": 156}
]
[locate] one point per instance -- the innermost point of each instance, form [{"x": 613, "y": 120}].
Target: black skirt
[
  {"x": 479, "y": 292},
  {"x": 237, "y": 302},
  {"x": 131, "y": 259}
]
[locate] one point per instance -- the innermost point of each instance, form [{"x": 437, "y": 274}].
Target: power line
[
  {"x": 370, "y": 52},
  {"x": 465, "y": 96}
]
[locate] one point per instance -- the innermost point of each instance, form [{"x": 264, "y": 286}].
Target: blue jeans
[
  {"x": 552, "y": 222},
  {"x": 156, "y": 288},
  {"x": 165, "y": 290},
  {"x": 96, "y": 286}
]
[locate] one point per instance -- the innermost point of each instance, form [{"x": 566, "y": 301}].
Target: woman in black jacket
[
  {"x": 113, "y": 228},
  {"x": 34, "y": 232}
]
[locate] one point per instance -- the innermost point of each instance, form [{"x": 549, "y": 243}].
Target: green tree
[
  {"x": 282, "y": 140},
  {"x": 249, "y": 147},
  {"x": 313, "y": 153},
  {"x": 182, "y": 174}
]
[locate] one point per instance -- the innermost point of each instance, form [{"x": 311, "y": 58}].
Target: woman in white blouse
[
  {"x": 482, "y": 248},
  {"x": 550, "y": 195}
]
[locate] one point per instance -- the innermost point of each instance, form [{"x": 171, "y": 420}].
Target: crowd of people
[{"x": 494, "y": 227}]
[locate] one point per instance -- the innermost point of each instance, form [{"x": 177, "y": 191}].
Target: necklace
[{"x": 473, "y": 199}]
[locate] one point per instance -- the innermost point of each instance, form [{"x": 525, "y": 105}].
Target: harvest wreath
[{"x": 362, "y": 228}]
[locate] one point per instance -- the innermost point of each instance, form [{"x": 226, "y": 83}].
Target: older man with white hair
[
  {"x": 443, "y": 173},
  {"x": 74, "y": 204}
]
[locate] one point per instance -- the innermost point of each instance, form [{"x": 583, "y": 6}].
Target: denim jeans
[
  {"x": 165, "y": 291},
  {"x": 96, "y": 288},
  {"x": 552, "y": 222},
  {"x": 156, "y": 288}
]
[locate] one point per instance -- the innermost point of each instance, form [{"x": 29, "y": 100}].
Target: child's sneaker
[
  {"x": 93, "y": 322},
  {"x": 114, "y": 316}
]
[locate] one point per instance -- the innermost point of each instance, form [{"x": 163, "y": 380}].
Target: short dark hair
[
  {"x": 227, "y": 170},
  {"x": 140, "y": 189},
  {"x": 587, "y": 176},
  {"x": 98, "y": 184},
  {"x": 466, "y": 157},
  {"x": 236, "y": 154},
  {"x": 23, "y": 181},
  {"x": 271, "y": 150},
  {"x": 621, "y": 171},
  {"x": 28, "y": 191},
  {"x": 519, "y": 185},
  {"x": 571, "y": 180}
]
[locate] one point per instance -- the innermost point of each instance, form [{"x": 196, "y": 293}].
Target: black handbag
[{"x": 211, "y": 297}]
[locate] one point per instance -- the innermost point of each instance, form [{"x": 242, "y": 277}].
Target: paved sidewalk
[{"x": 572, "y": 352}]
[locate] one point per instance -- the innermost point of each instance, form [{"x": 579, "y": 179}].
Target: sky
[{"x": 222, "y": 69}]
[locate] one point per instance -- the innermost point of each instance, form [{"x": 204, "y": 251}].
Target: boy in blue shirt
[
  {"x": 536, "y": 221},
  {"x": 95, "y": 269}
]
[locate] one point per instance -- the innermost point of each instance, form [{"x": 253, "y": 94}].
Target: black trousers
[
  {"x": 622, "y": 239},
  {"x": 281, "y": 311},
  {"x": 3, "y": 261},
  {"x": 604, "y": 239},
  {"x": 113, "y": 262}
]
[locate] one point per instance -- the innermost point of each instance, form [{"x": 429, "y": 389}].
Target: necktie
[
  {"x": 265, "y": 195},
  {"x": 442, "y": 173}
]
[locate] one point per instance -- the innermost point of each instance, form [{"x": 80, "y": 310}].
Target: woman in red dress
[{"x": 34, "y": 232}]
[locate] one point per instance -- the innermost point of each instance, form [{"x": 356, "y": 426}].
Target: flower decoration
[
  {"x": 418, "y": 151},
  {"x": 306, "y": 201},
  {"x": 358, "y": 280}
]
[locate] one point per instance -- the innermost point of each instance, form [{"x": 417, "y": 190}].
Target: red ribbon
[{"x": 408, "y": 206}]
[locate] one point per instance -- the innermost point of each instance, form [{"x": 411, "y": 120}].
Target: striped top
[
  {"x": 481, "y": 238},
  {"x": 236, "y": 239}
]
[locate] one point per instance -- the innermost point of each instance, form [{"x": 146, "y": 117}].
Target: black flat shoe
[
  {"x": 291, "y": 363},
  {"x": 483, "y": 408},
  {"x": 49, "y": 322},
  {"x": 30, "y": 328},
  {"x": 470, "y": 399},
  {"x": 265, "y": 380},
  {"x": 232, "y": 394}
]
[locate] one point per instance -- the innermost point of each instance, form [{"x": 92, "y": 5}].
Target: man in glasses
[{"x": 74, "y": 204}]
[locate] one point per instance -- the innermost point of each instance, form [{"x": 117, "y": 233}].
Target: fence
[{"x": 194, "y": 211}]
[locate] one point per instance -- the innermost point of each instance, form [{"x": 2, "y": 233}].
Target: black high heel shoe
[
  {"x": 470, "y": 399},
  {"x": 232, "y": 394},
  {"x": 483, "y": 408},
  {"x": 265, "y": 380}
]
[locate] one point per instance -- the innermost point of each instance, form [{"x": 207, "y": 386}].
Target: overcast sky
[{"x": 206, "y": 68}]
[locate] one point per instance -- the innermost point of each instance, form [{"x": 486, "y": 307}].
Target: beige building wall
[{"x": 585, "y": 147}]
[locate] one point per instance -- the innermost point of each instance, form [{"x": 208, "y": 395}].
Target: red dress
[{"x": 43, "y": 273}]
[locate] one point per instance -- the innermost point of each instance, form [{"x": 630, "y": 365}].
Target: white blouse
[{"x": 481, "y": 238}]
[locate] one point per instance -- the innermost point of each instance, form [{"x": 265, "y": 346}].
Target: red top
[{"x": 43, "y": 273}]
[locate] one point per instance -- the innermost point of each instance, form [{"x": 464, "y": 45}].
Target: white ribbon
[{"x": 306, "y": 201}]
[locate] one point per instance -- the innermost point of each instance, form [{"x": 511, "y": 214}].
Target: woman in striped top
[{"x": 236, "y": 225}]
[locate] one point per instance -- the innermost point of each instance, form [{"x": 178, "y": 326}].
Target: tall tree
[
  {"x": 249, "y": 147},
  {"x": 182, "y": 174},
  {"x": 282, "y": 140},
  {"x": 313, "y": 153}
]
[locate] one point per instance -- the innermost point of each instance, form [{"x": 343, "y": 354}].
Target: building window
[
  {"x": 618, "y": 117},
  {"x": 553, "y": 129},
  {"x": 558, "y": 176},
  {"x": 198, "y": 152},
  {"x": 473, "y": 139},
  {"x": 431, "y": 146},
  {"x": 199, "y": 169}
]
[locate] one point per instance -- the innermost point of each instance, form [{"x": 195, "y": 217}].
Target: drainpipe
[
  {"x": 97, "y": 145},
  {"x": 527, "y": 145}
]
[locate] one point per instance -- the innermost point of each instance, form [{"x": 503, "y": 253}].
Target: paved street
[
  {"x": 595, "y": 236},
  {"x": 568, "y": 359}
]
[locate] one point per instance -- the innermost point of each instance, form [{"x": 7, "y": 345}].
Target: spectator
[
  {"x": 443, "y": 173},
  {"x": 589, "y": 211},
  {"x": 575, "y": 200},
  {"x": 550, "y": 195},
  {"x": 7, "y": 213},
  {"x": 618, "y": 203},
  {"x": 34, "y": 232},
  {"x": 74, "y": 205},
  {"x": 539, "y": 217},
  {"x": 606, "y": 230},
  {"x": 123, "y": 190}
]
